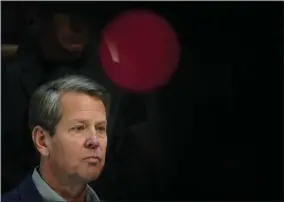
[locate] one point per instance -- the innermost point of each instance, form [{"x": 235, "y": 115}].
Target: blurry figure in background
[
  {"x": 68, "y": 119},
  {"x": 62, "y": 41}
]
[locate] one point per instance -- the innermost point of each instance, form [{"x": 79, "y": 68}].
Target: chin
[
  {"x": 91, "y": 178},
  {"x": 77, "y": 55},
  {"x": 91, "y": 175}
]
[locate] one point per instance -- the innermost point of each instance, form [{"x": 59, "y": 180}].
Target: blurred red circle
[{"x": 139, "y": 50}]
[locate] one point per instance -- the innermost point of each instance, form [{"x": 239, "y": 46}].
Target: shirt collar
[{"x": 48, "y": 194}]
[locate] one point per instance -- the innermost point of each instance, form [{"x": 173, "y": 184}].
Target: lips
[
  {"x": 92, "y": 159},
  {"x": 77, "y": 47},
  {"x": 73, "y": 45}
]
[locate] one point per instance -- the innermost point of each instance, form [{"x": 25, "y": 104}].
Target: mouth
[
  {"x": 92, "y": 159},
  {"x": 73, "y": 45},
  {"x": 76, "y": 47}
]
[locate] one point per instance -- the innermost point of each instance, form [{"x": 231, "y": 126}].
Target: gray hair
[{"x": 45, "y": 110}]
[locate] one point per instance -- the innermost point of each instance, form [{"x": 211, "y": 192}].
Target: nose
[
  {"x": 77, "y": 25},
  {"x": 93, "y": 141}
]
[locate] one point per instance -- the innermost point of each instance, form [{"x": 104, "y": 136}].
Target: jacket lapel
[{"x": 27, "y": 190}]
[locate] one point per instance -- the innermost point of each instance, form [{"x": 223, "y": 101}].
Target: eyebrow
[
  {"x": 101, "y": 123},
  {"x": 86, "y": 122}
]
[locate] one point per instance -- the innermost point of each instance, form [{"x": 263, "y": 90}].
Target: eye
[
  {"x": 101, "y": 129},
  {"x": 78, "y": 128}
]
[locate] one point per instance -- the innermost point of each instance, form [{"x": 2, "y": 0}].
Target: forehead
[
  {"x": 69, "y": 16},
  {"x": 80, "y": 106}
]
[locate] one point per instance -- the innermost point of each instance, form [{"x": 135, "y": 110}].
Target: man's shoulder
[
  {"x": 11, "y": 196},
  {"x": 24, "y": 192}
]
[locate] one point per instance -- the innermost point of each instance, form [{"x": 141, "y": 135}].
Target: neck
[{"x": 65, "y": 187}]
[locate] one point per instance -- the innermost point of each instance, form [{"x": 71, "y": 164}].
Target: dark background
[{"x": 223, "y": 108}]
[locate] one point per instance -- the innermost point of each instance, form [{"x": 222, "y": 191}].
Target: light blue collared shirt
[{"x": 48, "y": 194}]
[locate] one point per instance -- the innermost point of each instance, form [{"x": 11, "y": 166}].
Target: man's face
[
  {"x": 71, "y": 31},
  {"x": 78, "y": 147}
]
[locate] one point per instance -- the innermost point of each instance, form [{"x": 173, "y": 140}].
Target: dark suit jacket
[{"x": 26, "y": 191}]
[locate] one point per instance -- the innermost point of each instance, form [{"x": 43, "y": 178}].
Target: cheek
[
  {"x": 76, "y": 145},
  {"x": 62, "y": 32},
  {"x": 67, "y": 148},
  {"x": 62, "y": 29},
  {"x": 103, "y": 144}
]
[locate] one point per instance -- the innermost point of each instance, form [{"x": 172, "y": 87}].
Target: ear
[{"x": 42, "y": 140}]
